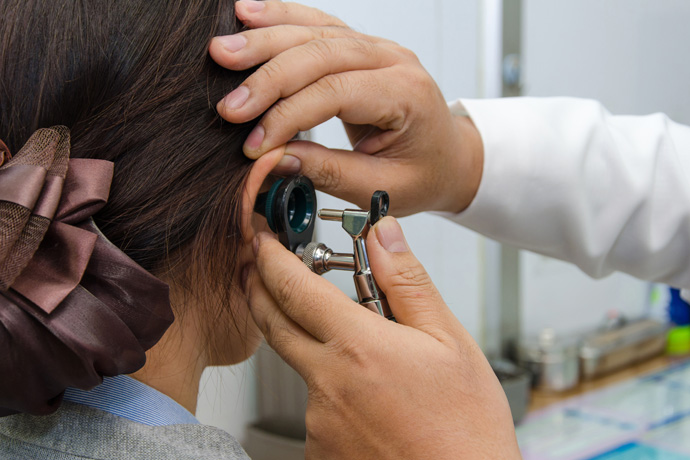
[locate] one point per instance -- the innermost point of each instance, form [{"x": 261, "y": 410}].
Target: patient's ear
[{"x": 257, "y": 176}]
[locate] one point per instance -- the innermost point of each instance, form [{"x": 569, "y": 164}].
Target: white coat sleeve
[{"x": 564, "y": 178}]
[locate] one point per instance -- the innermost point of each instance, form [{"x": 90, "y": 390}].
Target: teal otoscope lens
[
  {"x": 300, "y": 208},
  {"x": 290, "y": 210}
]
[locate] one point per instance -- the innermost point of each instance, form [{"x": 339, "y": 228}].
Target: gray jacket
[{"x": 77, "y": 432}]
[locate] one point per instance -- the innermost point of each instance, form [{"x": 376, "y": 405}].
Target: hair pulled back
[{"x": 134, "y": 83}]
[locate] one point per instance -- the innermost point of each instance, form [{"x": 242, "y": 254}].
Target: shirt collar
[{"x": 126, "y": 397}]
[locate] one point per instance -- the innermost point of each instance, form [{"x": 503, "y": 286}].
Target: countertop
[{"x": 541, "y": 399}]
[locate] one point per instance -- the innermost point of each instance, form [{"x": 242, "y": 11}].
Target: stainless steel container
[
  {"x": 553, "y": 361},
  {"x": 608, "y": 350}
]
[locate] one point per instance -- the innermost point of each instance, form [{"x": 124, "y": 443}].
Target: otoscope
[{"x": 289, "y": 207}]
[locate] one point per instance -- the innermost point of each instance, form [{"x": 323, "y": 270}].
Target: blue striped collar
[{"x": 128, "y": 398}]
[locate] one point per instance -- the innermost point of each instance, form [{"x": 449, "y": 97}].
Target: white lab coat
[{"x": 565, "y": 178}]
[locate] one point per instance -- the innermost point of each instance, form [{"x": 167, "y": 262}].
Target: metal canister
[{"x": 552, "y": 360}]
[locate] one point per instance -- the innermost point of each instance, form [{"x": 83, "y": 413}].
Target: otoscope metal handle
[
  {"x": 356, "y": 223},
  {"x": 368, "y": 292},
  {"x": 321, "y": 259}
]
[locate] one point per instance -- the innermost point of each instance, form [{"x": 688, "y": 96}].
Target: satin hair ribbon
[{"x": 73, "y": 307}]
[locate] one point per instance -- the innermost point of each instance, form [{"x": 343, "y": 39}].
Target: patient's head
[{"x": 133, "y": 81}]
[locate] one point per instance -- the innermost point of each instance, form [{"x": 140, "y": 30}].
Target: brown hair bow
[{"x": 73, "y": 307}]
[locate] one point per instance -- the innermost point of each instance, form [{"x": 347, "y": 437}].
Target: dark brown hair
[{"x": 134, "y": 83}]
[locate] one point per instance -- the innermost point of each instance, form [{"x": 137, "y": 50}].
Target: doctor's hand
[
  {"x": 419, "y": 388},
  {"x": 315, "y": 68}
]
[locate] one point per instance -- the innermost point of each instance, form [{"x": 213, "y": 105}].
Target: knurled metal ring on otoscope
[{"x": 290, "y": 210}]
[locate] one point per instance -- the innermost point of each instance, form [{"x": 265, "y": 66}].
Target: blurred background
[{"x": 629, "y": 54}]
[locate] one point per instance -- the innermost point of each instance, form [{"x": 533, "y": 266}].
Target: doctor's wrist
[{"x": 467, "y": 150}]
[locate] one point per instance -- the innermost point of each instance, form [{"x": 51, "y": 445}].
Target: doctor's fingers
[
  {"x": 292, "y": 343},
  {"x": 298, "y": 67},
  {"x": 269, "y": 13},
  {"x": 352, "y": 175},
  {"x": 363, "y": 97},
  {"x": 250, "y": 48},
  {"x": 312, "y": 302},
  {"x": 411, "y": 294}
]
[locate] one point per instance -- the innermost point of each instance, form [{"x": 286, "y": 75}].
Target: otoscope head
[{"x": 290, "y": 210}]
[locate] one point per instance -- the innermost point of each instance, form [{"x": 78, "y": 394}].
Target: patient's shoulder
[{"x": 80, "y": 432}]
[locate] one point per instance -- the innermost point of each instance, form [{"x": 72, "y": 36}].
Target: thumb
[
  {"x": 341, "y": 173},
  {"x": 412, "y": 296}
]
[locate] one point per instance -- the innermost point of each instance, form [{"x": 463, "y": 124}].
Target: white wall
[
  {"x": 227, "y": 398},
  {"x": 632, "y": 56}
]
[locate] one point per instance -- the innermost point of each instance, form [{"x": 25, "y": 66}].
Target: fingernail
[
  {"x": 252, "y": 6},
  {"x": 256, "y": 138},
  {"x": 390, "y": 235},
  {"x": 287, "y": 166},
  {"x": 233, "y": 43},
  {"x": 236, "y": 98}
]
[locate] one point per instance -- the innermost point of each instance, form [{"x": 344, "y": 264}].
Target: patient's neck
[{"x": 175, "y": 364}]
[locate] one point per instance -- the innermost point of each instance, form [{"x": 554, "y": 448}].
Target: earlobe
[{"x": 258, "y": 174}]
